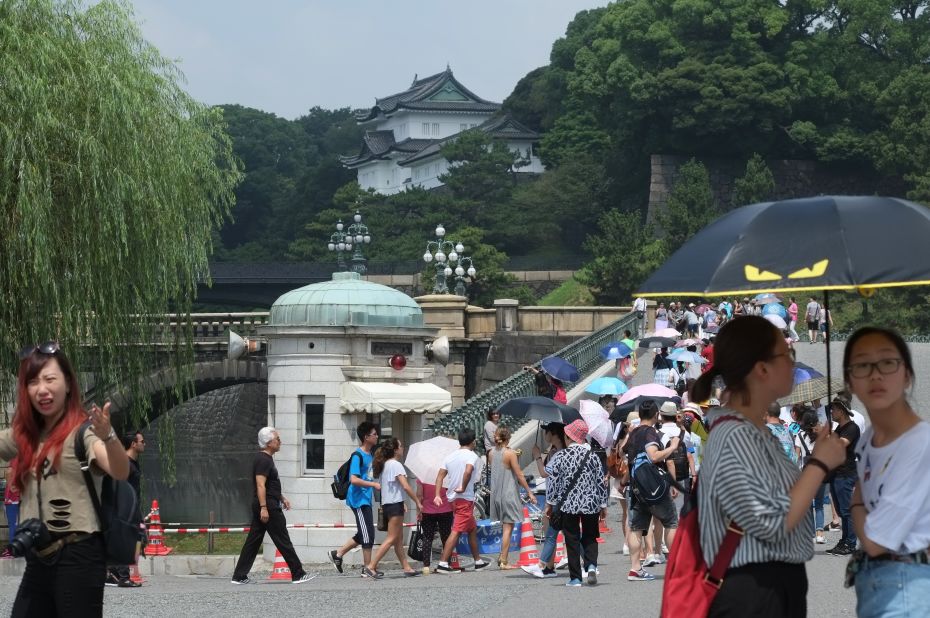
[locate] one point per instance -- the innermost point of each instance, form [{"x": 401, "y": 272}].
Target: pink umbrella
[
  {"x": 666, "y": 332},
  {"x": 647, "y": 390},
  {"x": 684, "y": 343},
  {"x": 599, "y": 425}
]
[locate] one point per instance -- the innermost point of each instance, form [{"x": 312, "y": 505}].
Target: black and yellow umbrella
[{"x": 812, "y": 244}]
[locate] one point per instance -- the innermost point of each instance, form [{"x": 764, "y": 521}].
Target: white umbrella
[
  {"x": 599, "y": 426},
  {"x": 424, "y": 458},
  {"x": 776, "y": 319}
]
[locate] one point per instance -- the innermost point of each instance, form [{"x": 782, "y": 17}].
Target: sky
[{"x": 286, "y": 56}]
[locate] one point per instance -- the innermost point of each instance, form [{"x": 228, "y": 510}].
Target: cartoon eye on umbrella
[{"x": 846, "y": 243}]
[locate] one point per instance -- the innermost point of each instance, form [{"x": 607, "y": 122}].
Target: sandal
[{"x": 506, "y": 567}]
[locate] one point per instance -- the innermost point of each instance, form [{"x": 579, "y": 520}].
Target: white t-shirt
[
  {"x": 454, "y": 465},
  {"x": 391, "y": 491},
  {"x": 859, "y": 419},
  {"x": 895, "y": 490},
  {"x": 670, "y": 430}
]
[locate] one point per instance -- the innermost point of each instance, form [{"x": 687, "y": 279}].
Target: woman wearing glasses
[
  {"x": 65, "y": 565},
  {"x": 891, "y": 503}
]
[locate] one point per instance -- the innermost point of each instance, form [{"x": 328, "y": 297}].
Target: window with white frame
[
  {"x": 436, "y": 129},
  {"x": 425, "y": 128},
  {"x": 314, "y": 441}
]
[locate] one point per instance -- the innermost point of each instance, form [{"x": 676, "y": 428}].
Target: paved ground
[{"x": 507, "y": 593}]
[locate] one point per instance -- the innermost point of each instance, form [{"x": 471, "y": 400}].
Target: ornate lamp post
[
  {"x": 449, "y": 260},
  {"x": 344, "y": 239},
  {"x": 461, "y": 271}
]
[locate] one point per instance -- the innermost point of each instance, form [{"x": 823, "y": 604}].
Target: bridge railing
[
  {"x": 212, "y": 327},
  {"x": 583, "y": 354}
]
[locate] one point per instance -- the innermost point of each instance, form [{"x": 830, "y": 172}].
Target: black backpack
[
  {"x": 117, "y": 508},
  {"x": 342, "y": 478},
  {"x": 680, "y": 458},
  {"x": 650, "y": 483}
]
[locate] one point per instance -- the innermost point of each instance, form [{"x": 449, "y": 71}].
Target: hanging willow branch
[{"x": 112, "y": 179}]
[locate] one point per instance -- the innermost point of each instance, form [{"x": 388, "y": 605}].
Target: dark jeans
[
  {"x": 763, "y": 590},
  {"x": 581, "y": 532},
  {"x": 72, "y": 586},
  {"x": 276, "y": 527},
  {"x": 429, "y": 524},
  {"x": 842, "y": 488}
]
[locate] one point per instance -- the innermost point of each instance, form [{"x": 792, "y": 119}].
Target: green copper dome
[{"x": 345, "y": 301}]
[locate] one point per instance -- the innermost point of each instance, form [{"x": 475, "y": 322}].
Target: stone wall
[{"x": 793, "y": 178}]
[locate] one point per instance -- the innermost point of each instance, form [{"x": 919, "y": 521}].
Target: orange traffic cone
[
  {"x": 156, "y": 546},
  {"x": 134, "y": 574},
  {"x": 529, "y": 555},
  {"x": 454, "y": 561},
  {"x": 280, "y": 570},
  {"x": 560, "y": 553}
]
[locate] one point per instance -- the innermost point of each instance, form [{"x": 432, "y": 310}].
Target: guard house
[
  {"x": 329, "y": 347},
  {"x": 404, "y": 133}
]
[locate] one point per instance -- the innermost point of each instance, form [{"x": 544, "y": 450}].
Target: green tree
[
  {"x": 112, "y": 180},
  {"x": 756, "y": 185},
  {"x": 690, "y": 206}
]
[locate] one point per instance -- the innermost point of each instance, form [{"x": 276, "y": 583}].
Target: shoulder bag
[{"x": 555, "y": 519}]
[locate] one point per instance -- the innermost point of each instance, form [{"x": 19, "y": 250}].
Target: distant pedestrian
[
  {"x": 134, "y": 443},
  {"x": 506, "y": 480},
  {"x": 780, "y": 432},
  {"x": 11, "y": 506},
  {"x": 434, "y": 517},
  {"x": 826, "y": 317},
  {"x": 692, "y": 320},
  {"x": 463, "y": 469},
  {"x": 583, "y": 506},
  {"x": 639, "y": 308},
  {"x": 268, "y": 506},
  {"x": 844, "y": 477},
  {"x": 361, "y": 494},
  {"x": 793, "y": 318},
  {"x": 891, "y": 503},
  {"x": 661, "y": 317},
  {"x": 812, "y": 316},
  {"x": 490, "y": 428},
  {"x": 393, "y": 480}
]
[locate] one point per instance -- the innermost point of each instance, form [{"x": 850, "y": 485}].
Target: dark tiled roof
[
  {"x": 417, "y": 95},
  {"x": 377, "y": 144},
  {"x": 503, "y": 127}
]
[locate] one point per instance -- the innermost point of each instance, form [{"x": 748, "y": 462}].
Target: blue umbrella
[
  {"x": 766, "y": 298},
  {"x": 801, "y": 376},
  {"x": 616, "y": 350},
  {"x": 775, "y": 309},
  {"x": 607, "y": 386},
  {"x": 560, "y": 369},
  {"x": 685, "y": 356},
  {"x": 813, "y": 373}
]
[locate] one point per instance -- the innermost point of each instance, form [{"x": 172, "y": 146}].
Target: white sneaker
[
  {"x": 660, "y": 558},
  {"x": 533, "y": 570},
  {"x": 820, "y": 539},
  {"x": 664, "y": 548},
  {"x": 650, "y": 560},
  {"x": 626, "y": 549},
  {"x": 563, "y": 564}
]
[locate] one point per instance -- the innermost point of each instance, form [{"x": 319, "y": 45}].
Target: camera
[{"x": 30, "y": 534}]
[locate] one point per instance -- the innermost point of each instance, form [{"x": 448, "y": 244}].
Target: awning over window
[{"x": 377, "y": 397}]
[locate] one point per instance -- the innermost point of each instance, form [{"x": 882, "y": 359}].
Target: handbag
[
  {"x": 617, "y": 465},
  {"x": 690, "y": 586},
  {"x": 415, "y": 548},
  {"x": 117, "y": 508},
  {"x": 382, "y": 524},
  {"x": 555, "y": 518}
]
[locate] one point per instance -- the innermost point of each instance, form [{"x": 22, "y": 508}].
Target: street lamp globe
[
  {"x": 459, "y": 271},
  {"x": 471, "y": 271},
  {"x": 460, "y": 248},
  {"x": 427, "y": 257},
  {"x": 447, "y": 271},
  {"x": 339, "y": 226},
  {"x": 357, "y": 217},
  {"x": 453, "y": 257},
  {"x": 367, "y": 238},
  {"x": 440, "y": 231},
  {"x": 331, "y": 246},
  {"x": 440, "y": 257},
  {"x": 342, "y": 246},
  {"x": 359, "y": 239}
]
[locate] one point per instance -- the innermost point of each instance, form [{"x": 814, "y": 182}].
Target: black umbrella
[
  {"x": 811, "y": 244},
  {"x": 622, "y": 410},
  {"x": 656, "y": 342},
  {"x": 540, "y": 408}
]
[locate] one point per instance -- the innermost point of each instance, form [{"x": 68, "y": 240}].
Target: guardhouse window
[{"x": 314, "y": 441}]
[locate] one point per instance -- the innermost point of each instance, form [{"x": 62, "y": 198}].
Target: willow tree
[{"x": 112, "y": 180}]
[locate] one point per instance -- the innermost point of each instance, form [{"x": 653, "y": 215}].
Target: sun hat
[
  {"x": 668, "y": 409},
  {"x": 693, "y": 408},
  {"x": 577, "y": 431}
]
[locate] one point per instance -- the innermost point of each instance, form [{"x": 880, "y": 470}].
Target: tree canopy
[{"x": 112, "y": 181}]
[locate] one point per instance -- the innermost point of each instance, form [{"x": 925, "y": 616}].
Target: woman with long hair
[
  {"x": 506, "y": 480},
  {"x": 891, "y": 502},
  {"x": 66, "y": 566},
  {"x": 746, "y": 479},
  {"x": 393, "y": 480}
]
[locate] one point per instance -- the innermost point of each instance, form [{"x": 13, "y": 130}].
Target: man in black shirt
[
  {"x": 844, "y": 477},
  {"x": 134, "y": 443},
  {"x": 268, "y": 506}
]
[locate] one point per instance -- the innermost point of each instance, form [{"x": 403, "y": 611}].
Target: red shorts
[{"x": 464, "y": 518}]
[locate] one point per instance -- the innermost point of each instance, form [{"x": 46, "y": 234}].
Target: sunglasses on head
[{"x": 49, "y": 347}]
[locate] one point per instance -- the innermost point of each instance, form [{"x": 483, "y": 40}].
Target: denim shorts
[
  {"x": 641, "y": 514},
  {"x": 889, "y": 589}
]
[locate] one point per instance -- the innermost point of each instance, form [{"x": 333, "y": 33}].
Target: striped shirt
[{"x": 745, "y": 477}]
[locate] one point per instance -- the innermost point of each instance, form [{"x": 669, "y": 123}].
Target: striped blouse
[{"x": 745, "y": 477}]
